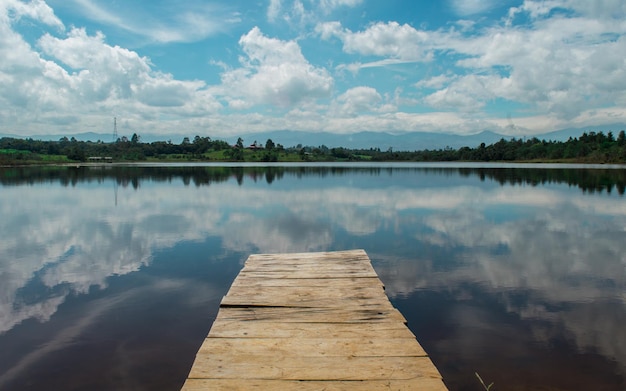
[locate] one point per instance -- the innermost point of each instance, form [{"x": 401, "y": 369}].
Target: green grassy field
[{"x": 17, "y": 157}]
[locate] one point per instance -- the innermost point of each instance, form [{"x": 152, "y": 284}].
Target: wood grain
[{"x": 310, "y": 321}]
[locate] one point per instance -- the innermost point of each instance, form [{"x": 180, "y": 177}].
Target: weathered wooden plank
[
  {"x": 314, "y": 266},
  {"x": 227, "y": 366},
  {"x": 307, "y": 274},
  {"x": 310, "y": 315},
  {"x": 249, "y": 281},
  {"x": 304, "y": 302},
  {"x": 302, "y": 265},
  {"x": 307, "y": 296},
  {"x": 286, "y": 260},
  {"x": 330, "y": 256},
  {"x": 425, "y": 384},
  {"x": 345, "y": 292},
  {"x": 279, "y": 329},
  {"x": 313, "y": 347}
]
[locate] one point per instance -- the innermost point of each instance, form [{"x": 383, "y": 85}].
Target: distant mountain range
[{"x": 411, "y": 141}]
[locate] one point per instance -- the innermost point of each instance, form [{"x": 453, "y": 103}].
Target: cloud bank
[{"x": 296, "y": 65}]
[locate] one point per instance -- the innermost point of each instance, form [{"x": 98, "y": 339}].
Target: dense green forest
[{"x": 592, "y": 147}]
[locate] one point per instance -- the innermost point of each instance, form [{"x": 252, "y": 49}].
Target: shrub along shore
[{"x": 591, "y": 147}]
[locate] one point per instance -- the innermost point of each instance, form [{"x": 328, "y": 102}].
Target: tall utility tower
[{"x": 114, "y": 129}]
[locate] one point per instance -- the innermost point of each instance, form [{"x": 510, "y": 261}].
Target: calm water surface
[{"x": 111, "y": 277}]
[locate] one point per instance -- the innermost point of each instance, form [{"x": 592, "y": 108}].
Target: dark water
[{"x": 110, "y": 277}]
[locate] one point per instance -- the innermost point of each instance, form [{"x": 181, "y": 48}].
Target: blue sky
[{"x": 223, "y": 69}]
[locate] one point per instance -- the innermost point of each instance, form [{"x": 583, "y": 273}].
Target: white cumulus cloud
[
  {"x": 273, "y": 72},
  {"x": 395, "y": 42}
]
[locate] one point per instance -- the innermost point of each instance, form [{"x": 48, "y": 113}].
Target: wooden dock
[{"x": 310, "y": 321}]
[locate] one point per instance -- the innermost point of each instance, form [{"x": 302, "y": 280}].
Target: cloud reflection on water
[
  {"x": 562, "y": 249},
  {"x": 561, "y": 267},
  {"x": 80, "y": 238}
]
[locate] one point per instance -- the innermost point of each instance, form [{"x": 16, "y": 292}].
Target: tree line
[{"x": 591, "y": 147}]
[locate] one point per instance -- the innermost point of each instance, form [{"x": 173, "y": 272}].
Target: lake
[{"x": 111, "y": 276}]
